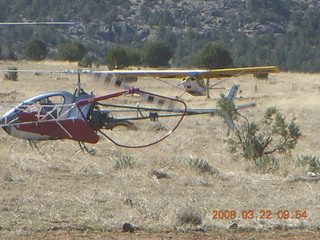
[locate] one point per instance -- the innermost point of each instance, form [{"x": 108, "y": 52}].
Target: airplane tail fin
[
  {"x": 233, "y": 92},
  {"x": 231, "y": 97}
]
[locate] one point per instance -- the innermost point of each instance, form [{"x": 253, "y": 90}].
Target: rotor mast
[{"x": 78, "y": 85}]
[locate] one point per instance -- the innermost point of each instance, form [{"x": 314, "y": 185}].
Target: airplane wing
[
  {"x": 216, "y": 73},
  {"x": 176, "y": 73},
  {"x": 193, "y": 82}
]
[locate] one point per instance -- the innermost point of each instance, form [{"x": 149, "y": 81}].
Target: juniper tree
[{"x": 256, "y": 139}]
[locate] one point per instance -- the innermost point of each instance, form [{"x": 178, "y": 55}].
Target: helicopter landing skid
[
  {"x": 34, "y": 146},
  {"x": 84, "y": 148}
]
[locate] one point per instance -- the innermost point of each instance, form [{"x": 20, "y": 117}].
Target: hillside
[
  {"x": 256, "y": 32},
  {"x": 61, "y": 193}
]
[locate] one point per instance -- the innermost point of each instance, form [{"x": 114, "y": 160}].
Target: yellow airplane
[{"x": 193, "y": 80}]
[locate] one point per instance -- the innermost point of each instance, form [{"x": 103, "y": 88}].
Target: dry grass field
[{"x": 57, "y": 194}]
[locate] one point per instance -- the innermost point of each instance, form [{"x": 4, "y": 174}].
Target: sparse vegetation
[
  {"x": 189, "y": 217},
  {"x": 158, "y": 126},
  {"x": 201, "y": 165},
  {"x": 266, "y": 164},
  {"x": 11, "y": 74},
  {"x": 125, "y": 162},
  {"x": 312, "y": 162},
  {"x": 315, "y": 165},
  {"x": 256, "y": 140},
  {"x": 61, "y": 195}
]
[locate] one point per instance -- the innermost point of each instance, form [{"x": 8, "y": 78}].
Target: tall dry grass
[{"x": 58, "y": 189}]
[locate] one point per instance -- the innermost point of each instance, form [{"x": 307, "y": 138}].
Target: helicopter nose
[{"x": 9, "y": 116}]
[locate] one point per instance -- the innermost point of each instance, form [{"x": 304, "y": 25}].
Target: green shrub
[
  {"x": 118, "y": 58},
  {"x": 314, "y": 165},
  {"x": 213, "y": 56},
  {"x": 85, "y": 62},
  {"x": 125, "y": 162},
  {"x": 312, "y": 162},
  {"x": 256, "y": 139},
  {"x": 201, "y": 165},
  {"x": 156, "y": 54},
  {"x": 35, "y": 50},
  {"x": 266, "y": 163},
  {"x": 73, "y": 51},
  {"x": 189, "y": 217},
  {"x": 303, "y": 160},
  {"x": 11, "y": 75}
]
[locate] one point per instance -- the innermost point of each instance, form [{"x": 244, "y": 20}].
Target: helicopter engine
[{"x": 104, "y": 119}]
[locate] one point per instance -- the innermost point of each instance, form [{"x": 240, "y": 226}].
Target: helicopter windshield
[{"x": 48, "y": 106}]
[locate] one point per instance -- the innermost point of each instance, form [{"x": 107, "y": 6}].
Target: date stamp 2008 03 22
[{"x": 264, "y": 214}]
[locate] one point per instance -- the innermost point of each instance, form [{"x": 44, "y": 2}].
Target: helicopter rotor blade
[
  {"x": 112, "y": 80},
  {"x": 35, "y": 23}
]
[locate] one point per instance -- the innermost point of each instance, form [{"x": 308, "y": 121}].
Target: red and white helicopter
[{"x": 82, "y": 116}]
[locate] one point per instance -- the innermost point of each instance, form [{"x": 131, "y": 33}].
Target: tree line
[
  {"x": 153, "y": 54},
  {"x": 292, "y": 44}
]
